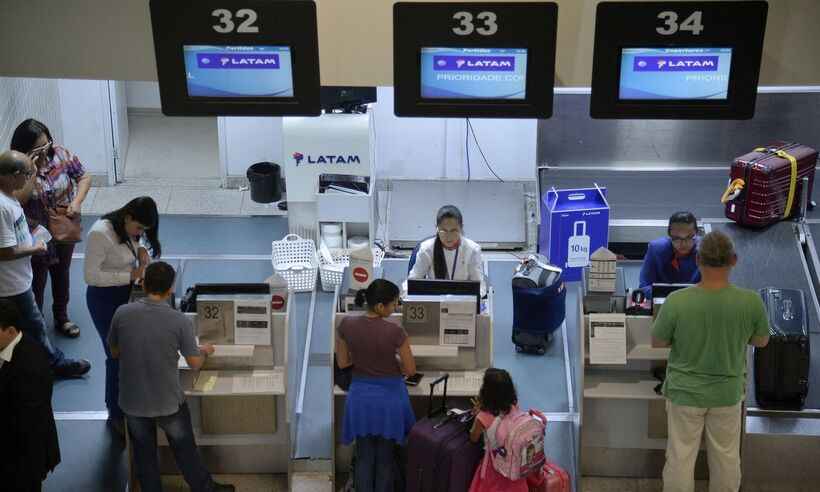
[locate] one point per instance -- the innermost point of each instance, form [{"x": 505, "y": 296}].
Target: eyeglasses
[
  {"x": 450, "y": 232},
  {"x": 41, "y": 150},
  {"x": 682, "y": 240}
]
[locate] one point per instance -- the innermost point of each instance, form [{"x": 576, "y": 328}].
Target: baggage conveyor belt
[{"x": 774, "y": 257}]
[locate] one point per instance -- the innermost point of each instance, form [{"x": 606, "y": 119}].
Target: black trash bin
[{"x": 266, "y": 182}]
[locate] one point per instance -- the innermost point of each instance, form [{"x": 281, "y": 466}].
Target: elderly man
[{"x": 708, "y": 327}]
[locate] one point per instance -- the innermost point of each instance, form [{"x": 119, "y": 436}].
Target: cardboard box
[{"x": 574, "y": 223}]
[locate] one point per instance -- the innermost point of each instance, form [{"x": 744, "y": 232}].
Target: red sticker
[
  {"x": 277, "y": 302},
  {"x": 360, "y": 274}
]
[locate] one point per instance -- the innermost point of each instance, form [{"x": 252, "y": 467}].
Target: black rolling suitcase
[{"x": 781, "y": 369}]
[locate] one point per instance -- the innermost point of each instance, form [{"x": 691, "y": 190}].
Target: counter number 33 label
[{"x": 416, "y": 313}]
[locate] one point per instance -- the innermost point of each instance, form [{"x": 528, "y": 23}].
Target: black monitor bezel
[{"x": 437, "y": 287}]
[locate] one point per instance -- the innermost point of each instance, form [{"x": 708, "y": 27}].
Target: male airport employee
[
  {"x": 708, "y": 327},
  {"x": 671, "y": 259}
]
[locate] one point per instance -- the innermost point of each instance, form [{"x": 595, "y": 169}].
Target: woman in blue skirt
[{"x": 377, "y": 410}]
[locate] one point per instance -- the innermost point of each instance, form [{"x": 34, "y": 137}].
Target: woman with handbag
[
  {"x": 116, "y": 254},
  {"x": 52, "y": 199}
]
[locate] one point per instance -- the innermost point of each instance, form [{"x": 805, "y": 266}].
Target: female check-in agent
[
  {"x": 378, "y": 414},
  {"x": 449, "y": 255},
  {"x": 672, "y": 259}
]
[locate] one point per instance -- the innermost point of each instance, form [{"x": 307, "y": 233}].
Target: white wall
[
  {"x": 21, "y": 99},
  {"x": 246, "y": 140},
  {"x": 86, "y": 122},
  {"x": 142, "y": 94},
  {"x": 434, "y": 148}
]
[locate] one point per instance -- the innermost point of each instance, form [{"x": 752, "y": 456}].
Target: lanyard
[{"x": 455, "y": 263}]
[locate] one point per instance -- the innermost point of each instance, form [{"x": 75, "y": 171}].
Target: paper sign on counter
[
  {"x": 468, "y": 382},
  {"x": 243, "y": 351},
  {"x": 607, "y": 338},
  {"x": 457, "y": 323},
  {"x": 252, "y": 321},
  {"x": 259, "y": 381}
]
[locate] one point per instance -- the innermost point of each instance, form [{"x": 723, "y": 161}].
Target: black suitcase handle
[{"x": 430, "y": 411}]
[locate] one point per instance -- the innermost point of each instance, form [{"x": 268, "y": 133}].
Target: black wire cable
[
  {"x": 467, "y": 147},
  {"x": 486, "y": 162}
]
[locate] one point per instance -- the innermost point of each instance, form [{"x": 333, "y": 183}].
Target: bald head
[{"x": 13, "y": 162}]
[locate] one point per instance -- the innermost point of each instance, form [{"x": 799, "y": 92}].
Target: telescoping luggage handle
[{"x": 443, "y": 409}]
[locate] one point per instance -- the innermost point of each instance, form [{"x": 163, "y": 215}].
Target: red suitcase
[
  {"x": 555, "y": 479},
  {"x": 765, "y": 184}
]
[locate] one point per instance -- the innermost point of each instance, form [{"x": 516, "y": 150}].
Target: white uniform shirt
[
  {"x": 108, "y": 262},
  {"x": 469, "y": 266}
]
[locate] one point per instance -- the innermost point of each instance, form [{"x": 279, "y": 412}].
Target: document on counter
[
  {"x": 239, "y": 351},
  {"x": 457, "y": 323},
  {"x": 252, "y": 321},
  {"x": 466, "y": 383},
  {"x": 259, "y": 381},
  {"x": 607, "y": 338},
  {"x": 205, "y": 381}
]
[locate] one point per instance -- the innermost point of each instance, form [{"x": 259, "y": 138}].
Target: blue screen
[
  {"x": 473, "y": 73},
  {"x": 675, "y": 73},
  {"x": 238, "y": 71}
]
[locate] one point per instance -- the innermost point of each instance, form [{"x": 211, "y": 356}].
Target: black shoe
[
  {"x": 223, "y": 487},
  {"x": 68, "y": 329},
  {"x": 117, "y": 426},
  {"x": 72, "y": 368}
]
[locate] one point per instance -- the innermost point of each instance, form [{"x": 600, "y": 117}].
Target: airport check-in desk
[
  {"x": 465, "y": 365},
  {"x": 624, "y": 420},
  {"x": 239, "y": 400}
]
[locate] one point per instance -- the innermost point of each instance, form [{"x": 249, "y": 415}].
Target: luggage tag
[{"x": 578, "y": 246}]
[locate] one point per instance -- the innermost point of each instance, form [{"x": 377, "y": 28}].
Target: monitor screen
[
  {"x": 238, "y": 71},
  {"x": 434, "y": 287},
  {"x": 662, "y": 291},
  {"x": 473, "y": 73},
  {"x": 683, "y": 74}
]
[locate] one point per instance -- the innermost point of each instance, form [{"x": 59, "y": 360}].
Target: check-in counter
[
  {"x": 624, "y": 426},
  {"x": 465, "y": 365},
  {"x": 238, "y": 400}
]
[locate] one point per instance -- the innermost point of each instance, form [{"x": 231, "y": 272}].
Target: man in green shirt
[{"x": 708, "y": 327}]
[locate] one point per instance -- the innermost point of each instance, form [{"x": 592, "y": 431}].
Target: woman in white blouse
[
  {"x": 115, "y": 258},
  {"x": 449, "y": 255}
]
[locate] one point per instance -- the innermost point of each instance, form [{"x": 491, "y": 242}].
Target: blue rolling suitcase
[{"x": 539, "y": 304}]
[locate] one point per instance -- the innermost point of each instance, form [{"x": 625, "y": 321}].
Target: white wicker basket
[
  {"x": 331, "y": 273},
  {"x": 295, "y": 259}
]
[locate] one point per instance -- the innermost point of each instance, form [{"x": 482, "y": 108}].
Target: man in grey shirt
[{"x": 147, "y": 337}]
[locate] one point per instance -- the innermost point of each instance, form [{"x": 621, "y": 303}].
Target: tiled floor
[{"x": 243, "y": 483}]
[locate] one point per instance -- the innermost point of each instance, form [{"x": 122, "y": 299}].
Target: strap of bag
[
  {"x": 792, "y": 179},
  {"x": 733, "y": 190}
]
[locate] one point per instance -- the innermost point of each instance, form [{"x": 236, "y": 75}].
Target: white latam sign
[{"x": 329, "y": 144}]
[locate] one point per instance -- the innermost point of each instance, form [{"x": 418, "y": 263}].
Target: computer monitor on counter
[{"x": 432, "y": 287}]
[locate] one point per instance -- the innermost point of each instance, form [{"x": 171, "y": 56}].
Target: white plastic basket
[
  {"x": 331, "y": 273},
  {"x": 295, "y": 260}
]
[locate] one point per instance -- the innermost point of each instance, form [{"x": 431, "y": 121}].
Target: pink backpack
[{"x": 521, "y": 452}]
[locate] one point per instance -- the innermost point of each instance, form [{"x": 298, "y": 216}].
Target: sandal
[{"x": 69, "y": 329}]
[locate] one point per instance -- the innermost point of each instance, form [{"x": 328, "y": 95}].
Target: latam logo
[
  {"x": 269, "y": 61},
  {"x": 675, "y": 64},
  {"x": 474, "y": 63},
  {"x": 326, "y": 159}
]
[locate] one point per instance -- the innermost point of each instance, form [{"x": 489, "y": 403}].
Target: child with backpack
[{"x": 513, "y": 439}]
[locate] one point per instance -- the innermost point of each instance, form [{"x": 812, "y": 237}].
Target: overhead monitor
[
  {"x": 677, "y": 60},
  {"x": 675, "y": 74},
  {"x": 260, "y": 58},
  {"x": 238, "y": 71},
  {"x": 490, "y": 60},
  {"x": 474, "y": 73}
]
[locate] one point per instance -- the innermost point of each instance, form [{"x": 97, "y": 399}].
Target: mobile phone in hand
[{"x": 413, "y": 380}]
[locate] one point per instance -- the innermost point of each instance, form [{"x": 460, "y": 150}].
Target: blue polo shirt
[{"x": 657, "y": 266}]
